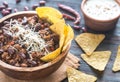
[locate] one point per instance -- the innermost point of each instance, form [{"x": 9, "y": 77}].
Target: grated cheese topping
[{"x": 27, "y": 36}]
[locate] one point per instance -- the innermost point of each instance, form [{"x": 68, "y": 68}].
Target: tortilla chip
[
  {"x": 89, "y": 42},
  {"x": 116, "y": 66},
  {"x": 78, "y": 76},
  {"x": 51, "y": 56},
  {"x": 59, "y": 30},
  {"x": 69, "y": 35},
  {"x": 97, "y": 60},
  {"x": 50, "y": 13},
  {"x": 58, "y": 27}
]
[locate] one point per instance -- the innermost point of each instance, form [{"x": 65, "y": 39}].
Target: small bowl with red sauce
[{"x": 20, "y": 49}]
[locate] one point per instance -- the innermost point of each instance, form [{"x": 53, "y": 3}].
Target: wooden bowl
[
  {"x": 31, "y": 73},
  {"x": 99, "y": 25}
]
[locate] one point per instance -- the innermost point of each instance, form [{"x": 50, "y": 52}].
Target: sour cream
[{"x": 102, "y": 9}]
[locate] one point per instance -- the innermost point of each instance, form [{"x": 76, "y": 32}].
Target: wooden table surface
[{"x": 111, "y": 41}]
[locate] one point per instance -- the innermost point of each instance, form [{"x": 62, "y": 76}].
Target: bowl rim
[
  {"x": 82, "y": 9},
  {"x": 31, "y": 69}
]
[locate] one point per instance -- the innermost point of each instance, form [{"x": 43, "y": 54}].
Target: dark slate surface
[{"x": 111, "y": 41}]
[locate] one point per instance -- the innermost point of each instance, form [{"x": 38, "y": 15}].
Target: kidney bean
[
  {"x": 37, "y": 27},
  {"x": 34, "y": 63},
  {"x": 11, "y": 50},
  {"x": 26, "y": 8},
  {"x": 42, "y": 3},
  {"x": 15, "y": 10},
  {"x": 36, "y": 18},
  {"x": 24, "y": 46},
  {"x": 46, "y": 29},
  {"x": 22, "y": 55},
  {"x": 2, "y": 7},
  {"x": 18, "y": 1},
  {"x": 5, "y": 3},
  {"x": 5, "y": 12},
  {"x": 35, "y": 6},
  {"x": 84, "y": 29}
]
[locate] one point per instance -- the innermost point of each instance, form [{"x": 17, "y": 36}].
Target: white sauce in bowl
[{"x": 102, "y": 9}]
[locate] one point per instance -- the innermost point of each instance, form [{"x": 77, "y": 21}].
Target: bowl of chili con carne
[{"x": 24, "y": 39}]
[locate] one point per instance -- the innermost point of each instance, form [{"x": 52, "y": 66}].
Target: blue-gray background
[{"x": 111, "y": 41}]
